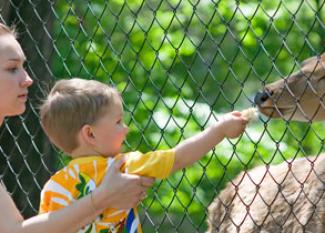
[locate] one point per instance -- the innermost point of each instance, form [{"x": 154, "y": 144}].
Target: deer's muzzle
[{"x": 261, "y": 97}]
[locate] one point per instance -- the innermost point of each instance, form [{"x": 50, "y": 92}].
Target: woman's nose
[{"x": 26, "y": 80}]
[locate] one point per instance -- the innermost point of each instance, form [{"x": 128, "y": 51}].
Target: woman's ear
[{"x": 86, "y": 134}]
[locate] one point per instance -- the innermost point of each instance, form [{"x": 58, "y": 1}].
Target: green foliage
[{"x": 178, "y": 64}]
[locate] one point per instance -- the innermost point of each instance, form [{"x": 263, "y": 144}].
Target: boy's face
[{"x": 109, "y": 130}]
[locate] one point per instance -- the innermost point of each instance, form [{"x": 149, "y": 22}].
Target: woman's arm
[{"x": 116, "y": 191}]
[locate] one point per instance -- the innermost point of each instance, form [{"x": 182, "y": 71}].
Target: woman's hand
[{"x": 120, "y": 190}]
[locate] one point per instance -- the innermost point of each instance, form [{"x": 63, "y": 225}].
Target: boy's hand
[{"x": 233, "y": 124}]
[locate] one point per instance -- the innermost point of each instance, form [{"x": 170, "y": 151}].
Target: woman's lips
[{"x": 23, "y": 97}]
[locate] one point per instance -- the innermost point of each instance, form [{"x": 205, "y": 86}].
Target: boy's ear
[{"x": 87, "y": 135}]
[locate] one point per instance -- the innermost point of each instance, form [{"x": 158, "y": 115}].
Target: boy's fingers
[{"x": 236, "y": 113}]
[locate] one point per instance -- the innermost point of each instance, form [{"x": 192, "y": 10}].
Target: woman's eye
[{"x": 13, "y": 69}]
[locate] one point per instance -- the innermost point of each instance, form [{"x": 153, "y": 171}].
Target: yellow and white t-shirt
[{"x": 82, "y": 175}]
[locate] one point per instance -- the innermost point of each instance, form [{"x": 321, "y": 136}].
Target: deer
[{"x": 288, "y": 197}]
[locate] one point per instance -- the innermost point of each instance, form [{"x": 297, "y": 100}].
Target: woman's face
[{"x": 14, "y": 80}]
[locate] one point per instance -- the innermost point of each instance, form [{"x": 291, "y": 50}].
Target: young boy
[{"x": 85, "y": 120}]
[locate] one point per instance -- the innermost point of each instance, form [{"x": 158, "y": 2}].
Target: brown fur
[{"x": 288, "y": 197}]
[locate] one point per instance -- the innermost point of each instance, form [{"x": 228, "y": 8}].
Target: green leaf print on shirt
[
  {"x": 104, "y": 231},
  {"x": 85, "y": 186}
]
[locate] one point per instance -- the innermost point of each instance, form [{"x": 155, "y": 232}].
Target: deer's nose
[{"x": 261, "y": 97}]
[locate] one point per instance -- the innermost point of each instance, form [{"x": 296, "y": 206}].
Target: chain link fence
[{"x": 178, "y": 64}]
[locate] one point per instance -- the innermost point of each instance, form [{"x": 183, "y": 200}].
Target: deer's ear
[
  {"x": 320, "y": 70},
  {"x": 323, "y": 75},
  {"x": 308, "y": 61}
]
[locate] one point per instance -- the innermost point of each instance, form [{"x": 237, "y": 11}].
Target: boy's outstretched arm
[{"x": 231, "y": 125}]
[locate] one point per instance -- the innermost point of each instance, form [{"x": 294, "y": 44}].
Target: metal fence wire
[{"x": 179, "y": 64}]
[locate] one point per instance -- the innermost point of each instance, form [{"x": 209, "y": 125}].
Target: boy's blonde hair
[{"x": 70, "y": 105}]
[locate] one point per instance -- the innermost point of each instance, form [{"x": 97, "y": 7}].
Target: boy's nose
[{"x": 126, "y": 129}]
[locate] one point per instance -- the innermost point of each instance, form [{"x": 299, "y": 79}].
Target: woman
[{"x": 124, "y": 190}]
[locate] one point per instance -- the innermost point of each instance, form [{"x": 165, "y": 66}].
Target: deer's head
[{"x": 300, "y": 96}]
